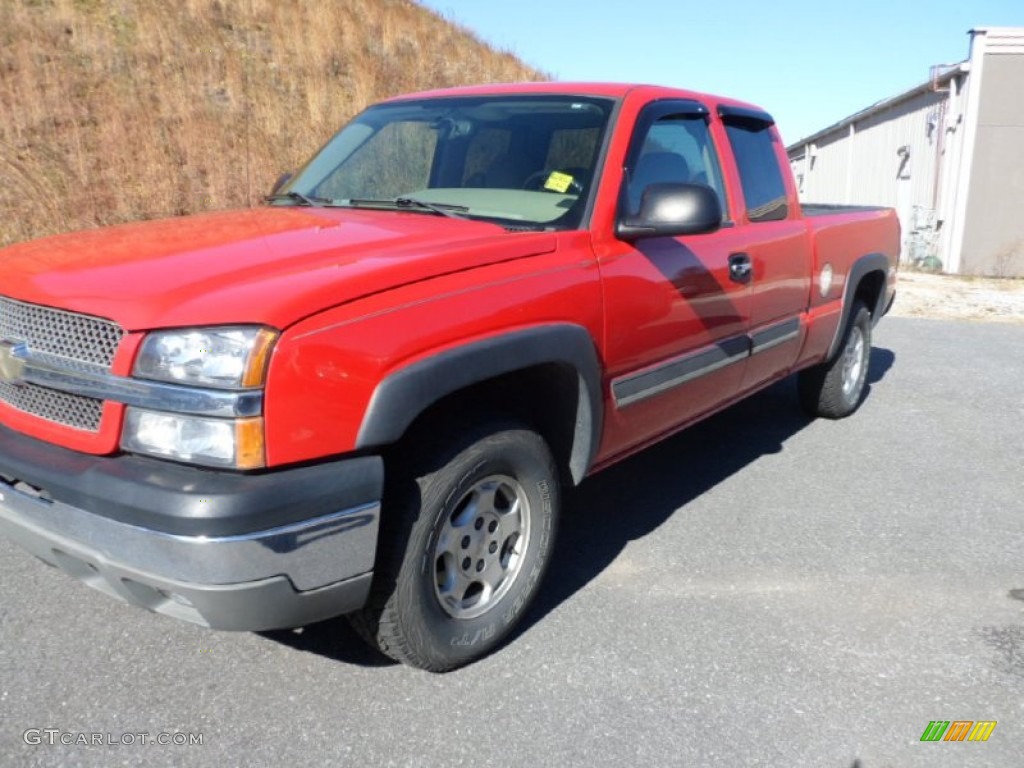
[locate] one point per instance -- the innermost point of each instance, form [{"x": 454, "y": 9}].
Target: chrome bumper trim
[{"x": 311, "y": 554}]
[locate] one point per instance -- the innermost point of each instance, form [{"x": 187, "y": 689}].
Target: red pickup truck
[{"x": 367, "y": 396}]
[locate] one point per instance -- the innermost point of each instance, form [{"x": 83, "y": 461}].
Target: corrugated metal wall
[
  {"x": 890, "y": 157},
  {"x": 878, "y": 161},
  {"x": 938, "y": 156}
]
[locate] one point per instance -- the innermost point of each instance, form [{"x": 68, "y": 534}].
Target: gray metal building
[{"x": 948, "y": 155}]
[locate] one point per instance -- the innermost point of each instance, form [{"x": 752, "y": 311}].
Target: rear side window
[{"x": 753, "y": 145}]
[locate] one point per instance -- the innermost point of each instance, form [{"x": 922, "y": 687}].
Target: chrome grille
[
  {"x": 56, "y": 332},
  {"x": 60, "y": 407},
  {"x": 80, "y": 341}
]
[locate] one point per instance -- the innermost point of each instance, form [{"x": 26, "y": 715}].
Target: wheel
[
  {"x": 464, "y": 546},
  {"x": 834, "y": 389}
]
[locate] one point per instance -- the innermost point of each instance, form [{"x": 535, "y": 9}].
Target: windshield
[{"x": 520, "y": 161}]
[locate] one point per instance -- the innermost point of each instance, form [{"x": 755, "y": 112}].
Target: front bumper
[{"x": 224, "y": 550}]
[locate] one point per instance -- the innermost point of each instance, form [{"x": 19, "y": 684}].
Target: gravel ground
[{"x": 920, "y": 294}]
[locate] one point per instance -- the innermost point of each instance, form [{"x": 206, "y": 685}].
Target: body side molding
[
  {"x": 671, "y": 373},
  {"x": 676, "y": 371},
  {"x": 774, "y": 335}
]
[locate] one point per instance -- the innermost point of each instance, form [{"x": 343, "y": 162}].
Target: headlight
[
  {"x": 226, "y": 358},
  {"x": 232, "y": 443}
]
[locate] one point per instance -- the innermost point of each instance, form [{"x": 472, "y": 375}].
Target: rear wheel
[
  {"x": 465, "y": 542},
  {"x": 834, "y": 389}
]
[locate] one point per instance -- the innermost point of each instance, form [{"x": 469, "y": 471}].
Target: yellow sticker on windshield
[{"x": 559, "y": 182}]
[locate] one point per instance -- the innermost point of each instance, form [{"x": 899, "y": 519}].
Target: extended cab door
[
  {"x": 778, "y": 244},
  {"x": 676, "y": 308}
]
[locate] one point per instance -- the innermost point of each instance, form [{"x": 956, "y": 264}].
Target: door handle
[{"x": 740, "y": 268}]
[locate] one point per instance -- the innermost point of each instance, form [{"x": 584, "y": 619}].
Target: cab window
[
  {"x": 676, "y": 149},
  {"x": 753, "y": 146}
]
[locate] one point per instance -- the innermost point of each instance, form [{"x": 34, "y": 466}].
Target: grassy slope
[{"x": 116, "y": 110}]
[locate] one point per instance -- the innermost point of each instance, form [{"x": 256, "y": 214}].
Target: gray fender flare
[
  {"x": 872, "y": 262},
  {"x": 408, "y": 392}
]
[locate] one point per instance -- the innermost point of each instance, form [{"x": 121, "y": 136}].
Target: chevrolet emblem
[{"x": 12, "y": 361}]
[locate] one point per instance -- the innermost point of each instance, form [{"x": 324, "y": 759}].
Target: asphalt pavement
[{"x": 761, "y": 590}]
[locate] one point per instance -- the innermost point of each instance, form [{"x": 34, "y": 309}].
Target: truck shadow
[
  {"x": 631, "y": 499},
  {"x": 626, "y": 502}
]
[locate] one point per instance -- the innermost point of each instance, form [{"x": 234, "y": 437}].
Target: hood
[{"x": 271, "y": 265}]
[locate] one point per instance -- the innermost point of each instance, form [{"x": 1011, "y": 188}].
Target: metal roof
[
  {"x": 997, "y": 40},
  {"x": 880, "y": 106}
]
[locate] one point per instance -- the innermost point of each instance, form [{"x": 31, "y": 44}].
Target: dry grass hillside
[{"x": 117, "y": 110}]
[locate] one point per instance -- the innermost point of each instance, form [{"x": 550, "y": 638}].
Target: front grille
[
  {"x": 60, "y": 407},
  {"x": 56, "y": 332},
  {"x": 77, "y": 341}
]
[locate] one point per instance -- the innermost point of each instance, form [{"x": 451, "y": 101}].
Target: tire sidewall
[
  {"x": 442, "y": 638},
  {"x": 862, "y": 322}
]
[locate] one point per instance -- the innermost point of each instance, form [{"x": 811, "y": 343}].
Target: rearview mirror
[{"x": 671, "y": 210}]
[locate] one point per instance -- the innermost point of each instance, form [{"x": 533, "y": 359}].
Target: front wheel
[
  {"x": 465, "y": 544},
  {"x": 834, "y": 389}
]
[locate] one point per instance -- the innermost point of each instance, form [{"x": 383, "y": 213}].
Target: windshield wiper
[
  {"x": 313, "y": 201},
  {"x": 441, "y": 209}
]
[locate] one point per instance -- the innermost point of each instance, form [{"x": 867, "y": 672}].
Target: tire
[
  {"x": 835, "y": 389},
  {"x": 465, "y": 542}
]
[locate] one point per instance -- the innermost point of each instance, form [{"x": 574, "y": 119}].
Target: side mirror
[
  {"x": 283, "y": 179},
  {"x": 671, "y": 210}
]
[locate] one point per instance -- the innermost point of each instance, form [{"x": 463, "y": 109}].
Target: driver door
[{"x": 676, "y": 307}]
